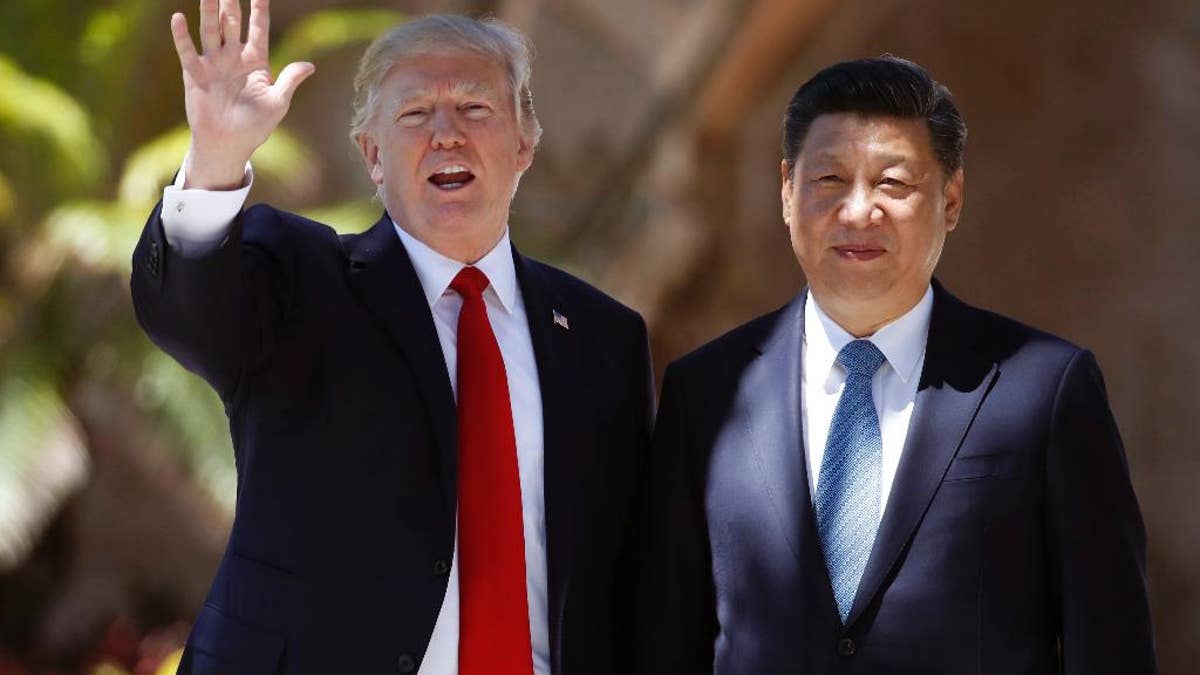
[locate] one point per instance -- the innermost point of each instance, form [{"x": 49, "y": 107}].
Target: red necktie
[{"x": 493, "y": 624}]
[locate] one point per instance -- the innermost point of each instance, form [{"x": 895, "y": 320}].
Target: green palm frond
[
  {"x": 151, "y": 166},
  {"x": 193, "y": 414},
  {"x": 43, "y": 459},
  {"x": 100, "y": 235},
  {"x": 37, "y": 108},
  {"x": 106, "y": 30},
  {"x": 288, "y": 164},
  {"x": 347, "y": 217},
  {"x": 327, "y": 30}
]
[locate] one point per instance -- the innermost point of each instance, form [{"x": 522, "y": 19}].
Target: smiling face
[
  {"x": 446, "y": 150},
  {"x": 868, "y": 208}
]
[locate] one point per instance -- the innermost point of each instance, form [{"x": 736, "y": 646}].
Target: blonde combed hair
[{"x": 447, "y": 33}]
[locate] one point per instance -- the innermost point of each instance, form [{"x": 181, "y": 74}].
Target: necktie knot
[
  {"x": 861, "y": 358},
  {"x": 470, "y": 282}
]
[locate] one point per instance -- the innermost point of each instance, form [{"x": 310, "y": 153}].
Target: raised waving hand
[{"x": 232, "y": 102}]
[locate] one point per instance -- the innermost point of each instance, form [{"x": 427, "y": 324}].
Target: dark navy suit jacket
[
  {"x": 324, "y": 351},
  {"x": 1011, "y": 544}
]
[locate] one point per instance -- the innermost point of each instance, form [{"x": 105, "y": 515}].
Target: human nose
[
  {"x": 859, "y": 208},
  {"x": 446, "y": 133}
]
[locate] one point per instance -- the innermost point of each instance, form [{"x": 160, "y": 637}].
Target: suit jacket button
[
  {"x": 846, "y": 647},
  {"x": 406, "y": 663},
  {"x": 441, "y": 568},
  {"x": 152, "y": 265}
]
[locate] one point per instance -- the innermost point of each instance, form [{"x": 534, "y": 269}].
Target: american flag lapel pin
[{"x": 560, "y": 320}]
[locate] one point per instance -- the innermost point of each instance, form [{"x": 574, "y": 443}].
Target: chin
[
  {"x": 455, "y": 216},
  {"x": 466, "y": 224},
  {"x": 453, "y": 227},
  {"x": 863, "y": 290}
]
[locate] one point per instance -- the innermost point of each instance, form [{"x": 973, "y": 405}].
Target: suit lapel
[
  {"x": 382, "y": 276},
  {"x": 954, "y": 382},
  {"x": 557, "y": 363},
  {"x": 774, "y": 424},
  {"x": 773, "y": 421}
]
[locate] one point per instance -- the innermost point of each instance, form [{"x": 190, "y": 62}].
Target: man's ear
[
  {"x": 525, "y": 150},
  {"x": 785, "y": 191},
  {"x": 953, "y": 194},
  {"x": 370, "y": 154}
]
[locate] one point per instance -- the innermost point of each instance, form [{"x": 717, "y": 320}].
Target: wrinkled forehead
[
  {"x": 850, "y": 136},
  {"x": 456, "y": 89},
  {"x": 457, "y": 73}
]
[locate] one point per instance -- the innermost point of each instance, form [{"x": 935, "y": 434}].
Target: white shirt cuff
[{"x": 196, "y": 221}]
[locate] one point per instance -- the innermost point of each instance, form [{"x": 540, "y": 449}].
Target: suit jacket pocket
[
  {"x": 226, "y": 645},
  {"x": 255, "y": 591},
  {"x": 975, "y": 467}
]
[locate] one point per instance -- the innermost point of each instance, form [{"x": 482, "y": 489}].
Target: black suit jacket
[
  {"x": 1011, "y": 543},
  {"x": 324, "y": 351}
]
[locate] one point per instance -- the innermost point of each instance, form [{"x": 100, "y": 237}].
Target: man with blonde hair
[{"x": 436, "y": 437}]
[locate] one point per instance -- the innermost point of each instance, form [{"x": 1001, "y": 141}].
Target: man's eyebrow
[
  {"x": 893, "y": 160},
  {"x": 407, "y": 96},
  {"x": 461, "y": 88}
]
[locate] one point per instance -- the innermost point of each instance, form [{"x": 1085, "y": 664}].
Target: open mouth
[{"x": 451, "y": 177}]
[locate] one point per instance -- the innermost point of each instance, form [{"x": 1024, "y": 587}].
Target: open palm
[{"x": 232, "y": 102}]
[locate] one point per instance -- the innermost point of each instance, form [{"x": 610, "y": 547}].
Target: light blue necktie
[{"x": 848, "y": 485}]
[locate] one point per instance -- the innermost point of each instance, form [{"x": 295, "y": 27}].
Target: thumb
[{"x": 290, "y": 78}]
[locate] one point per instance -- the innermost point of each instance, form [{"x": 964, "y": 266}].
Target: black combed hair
[{"x": 885, "y": 85}]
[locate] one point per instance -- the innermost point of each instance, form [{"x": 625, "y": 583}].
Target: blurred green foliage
[{"x": 36, "y": 110}]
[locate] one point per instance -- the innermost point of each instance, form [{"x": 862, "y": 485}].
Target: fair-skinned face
[
  {"x": 868, "y": 208},
  {"x": 446, "y": 150}
]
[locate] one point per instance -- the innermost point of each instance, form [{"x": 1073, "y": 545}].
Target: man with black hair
[{"x": 877, "y": 477}]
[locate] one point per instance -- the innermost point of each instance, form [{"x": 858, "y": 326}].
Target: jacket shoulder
[
  {"x": 731, "y": 348},
  {"x": 582, "y": 295},
  {"x": 1003, "y": 338},
  {"x": 270, "y": 227}
]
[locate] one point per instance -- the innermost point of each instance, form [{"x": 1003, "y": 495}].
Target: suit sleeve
[
  {"x": 215, "y": 313},
  {"x": 674, "y": 619},
  {"x": 1096, "y": 533}
]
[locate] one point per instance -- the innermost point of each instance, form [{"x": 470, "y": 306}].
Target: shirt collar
[
  {"x": 435, "y": 271},
  {"x": 902, "y": 341}
]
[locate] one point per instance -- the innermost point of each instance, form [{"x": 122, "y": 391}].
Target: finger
[
  {"x": 260, "y": 26},
  {"x": 188, "y": 58},
  {"x": 210, "y": 30},
  {"x": 231, "y": 22},
  {"x": 290, "y": 77}
]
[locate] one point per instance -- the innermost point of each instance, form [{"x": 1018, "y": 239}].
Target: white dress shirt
[
  {"x": 894, "y": 386},
  {"x": 195, "y": 221}
]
